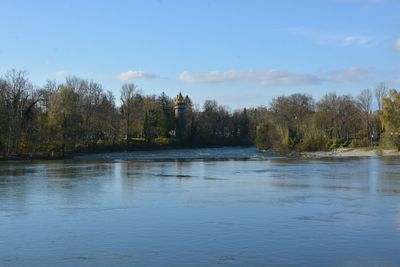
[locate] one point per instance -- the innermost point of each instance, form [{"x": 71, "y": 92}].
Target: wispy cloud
[
  {"x": 397, "y": 44},
  {"x": 394, "y": 83},
  {"x": 334, "y": 39},
  {"x": 271, "y": 78},
  {"x": 135, "y": 75},
  {"x": 261, "y": 77},
  {"x": 354, "y": 74},
  {"x": 60, "y": 73}
]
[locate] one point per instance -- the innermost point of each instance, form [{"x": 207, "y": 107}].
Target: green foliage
[
  {"x": 78, "y": 116},
  {"x": 317, "y": 142},
  {"x": 391, "y": 119},
  {"x": 363, "y": 142},
  {"x": 390, "y": 140},
  {"x": 334, "y": 144},
  {"x": 295, "y": 123},
  {"x": 65, "y": 119},
  {"x": 79, "y": 148},
  {"x": 161, "y": 141},
  {"x": 263, "y": 138}
]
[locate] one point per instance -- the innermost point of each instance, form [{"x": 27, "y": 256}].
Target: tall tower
[{"x": 180, "y": 116}]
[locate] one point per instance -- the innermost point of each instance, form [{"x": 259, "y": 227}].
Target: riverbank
[
  {"x": 201, "y": 152},
  {"x": 100, "y": 151},
  {"x": 351, "y": 152}
]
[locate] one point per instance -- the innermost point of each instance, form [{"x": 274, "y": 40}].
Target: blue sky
[{"x": 241, "y": 53}]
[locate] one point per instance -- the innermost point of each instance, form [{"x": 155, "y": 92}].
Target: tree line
[
  {"x": 79, "y": 115},
  {"x": 298, "y": 122}
]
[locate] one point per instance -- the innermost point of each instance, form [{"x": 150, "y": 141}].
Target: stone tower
[{"x": 180, "y": 116}]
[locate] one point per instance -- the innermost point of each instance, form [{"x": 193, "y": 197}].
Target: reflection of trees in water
[
  {"x": 131, "y": 174},
  {"x": 16, "y": 170},
  {"x": 62, "y": 182},
  {"x": 132, "y": 169},
  {"x": 79, "y": 170},
  {"x": 78, "y": 182},
  {"x": 181, "y": 168},
  {"x": 389, "y": 175},
  {"x": 18, "y": 180}
]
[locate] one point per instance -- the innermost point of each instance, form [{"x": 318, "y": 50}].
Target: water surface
[{"x": 249, "y": 209}]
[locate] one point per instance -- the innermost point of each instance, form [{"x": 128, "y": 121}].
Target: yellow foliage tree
[{"x": 391, "y": 117}]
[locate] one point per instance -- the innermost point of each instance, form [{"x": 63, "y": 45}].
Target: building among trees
[
  {"x": 79, "y": 115},
  {"x": 180, "y": 106}
]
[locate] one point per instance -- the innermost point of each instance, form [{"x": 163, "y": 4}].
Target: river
[{"x": 205, "y": 207}]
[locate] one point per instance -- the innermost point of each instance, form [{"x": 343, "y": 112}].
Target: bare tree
[
  {"x": 46, "y": 91},
  {"x": 338, "y": 116},
  {"x": 128, "y": 92},
  {"x": 381, "y": 91},
  {"x": 17, "y": 93},
  {"x": 291, "y": 114},
  {"x": 364, "y": 101}
]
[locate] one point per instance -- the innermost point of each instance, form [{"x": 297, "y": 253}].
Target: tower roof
[{"x": 179, "y": 99}]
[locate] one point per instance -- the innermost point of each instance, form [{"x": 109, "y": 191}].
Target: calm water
[{"x": 147, "y": 209}]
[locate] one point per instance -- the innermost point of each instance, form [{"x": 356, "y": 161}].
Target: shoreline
[
  {"x": 336, "y": 153},
  {"x": 351, "y": 153},
  {"x": 107, "y": 150}
]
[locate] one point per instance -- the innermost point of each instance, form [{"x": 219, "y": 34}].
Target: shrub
[
  {"x": 79, "y": 148},
  {"x": 333, "y": 144},
  {"x": 389, "y": 140},
  {"x": 54, "y": 150},
  {"x": 267, "y": 137},
  {"x": 263, "y": 140},
  {"x": 362, "y": 134},
  {"x": 346, "y": 143},
  {"x": 161, "y": 141},
  {"x": 313, "y": 143},
  {"x": 364, "y": 142},
  {"x": 100, "y": 142}
]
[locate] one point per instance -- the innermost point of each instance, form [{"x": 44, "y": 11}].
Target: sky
[{"x": 240, "y": 53}]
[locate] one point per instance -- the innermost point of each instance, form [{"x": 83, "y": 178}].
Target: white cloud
[
  {"x": 397, "y": 44},
  {"x": 135, "y": 75},
  {"x": 271, "y": 78},
  {"x": 334, "y": 39},
  {"x": 344, "y": 40},
  {"x": 394, "y": 83},
  {"x": 60, "y": 74},
  {"x": 354, "y": 74},
  {"x": 261, "y": 77}
]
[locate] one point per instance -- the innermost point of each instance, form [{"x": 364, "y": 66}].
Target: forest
[{"x": 80, "y": 116}]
